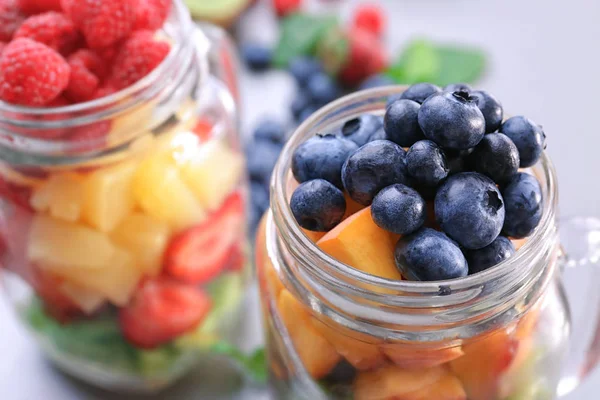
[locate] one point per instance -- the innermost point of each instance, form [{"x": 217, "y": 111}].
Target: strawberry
[
  {"x": 56, "y": 304},
  {"x": 366, "y": 57},
  {"x": 136, "y": 58},
  {"x": 82, "y": 83},
  {"x": 237, "y": 258},
  {"x": 10, "y": 19},
  {"x": 199, "y": 254},
  {"x": 38, "y": 6},
  {"x": 53, "y": 29},
  {"x": 102, "y": 22},
  {"x": 369, "y": 17},
  {"x": 151, "y": 14},
  {"x": 161, "y": 310},
  {"x": 31, "y": 73},
  {"x": 91, "y": 60},
  {"x": 285, "y": 7},
  {"x": 203, "y": 129}
]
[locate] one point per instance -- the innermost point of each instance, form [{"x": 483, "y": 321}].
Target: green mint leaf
[
  {"x": 459, "y": 64},
  {"x": 419, "y": 62},
  {"x": 255, "y": 364},
  {"x": 300, "y": 34}
]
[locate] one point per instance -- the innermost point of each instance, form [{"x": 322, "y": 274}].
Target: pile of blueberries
[{"x": 462, "y": 161}]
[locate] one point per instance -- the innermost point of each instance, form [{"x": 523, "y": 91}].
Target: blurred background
[{"x": 538, "y": 57}]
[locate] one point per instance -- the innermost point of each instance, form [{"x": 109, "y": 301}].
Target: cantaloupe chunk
[
  {"x": 61, "y": 196},
  {"x": 159, "y": 190},
  {"x": 87, "y": 300},
  {"x": 146, "y": 238},
  {"x": 318, "y": 356},
  {"x": 447, "y": 388},
  {"x": 59, "y": 244},
  {"x": 314, "y": 236},
  {"x": 483, "y": 364},
  {"x": 108, "y": 196},
  {"x": 213, "y": 173},
  {"x": 360, "y": 243},
  {"x": 361, "y": 355},
  {"x": 406, "y": 357},
  {"x": 391, "y": 382},
  {"x": 116, "y": 280},
  {"x": 352, "y": 207}
]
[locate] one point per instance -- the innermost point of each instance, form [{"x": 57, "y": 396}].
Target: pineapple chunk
[
  {"x": 59, "y": 244},
  {"x": 108, "y": 196},
  {"x": 213, "y": 173},
  {"x": 116, "y": 280},
  {"x": 87, "y": 300},
  {"x": 61, "y": 196},
  {"x": 159, "y": 190},
  {"x": 146, "y": 238}
]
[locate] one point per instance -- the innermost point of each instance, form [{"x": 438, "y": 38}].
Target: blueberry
[
  {"x": 523, "y": 202},
  {"x": 261, "y": 158},
  {"x": 307, "y": 112},
  {"x": 490, "y": 108},
  {"x": 392, "y": 99},
  {"x": 452, "y": 120},
  {"x": 322, "y": 157},
  {"x": 494, "y": 253},
  {"x": 426, "y": 163},
  {"x": 322, "y": 89},
  {"x": 372, "y": 167},
  {"x": 401, "y": 122},
  {"x": 343, "y": 373},
  {"x": 496, "y": 156},
  {"x": 302, "y": 68},
  {"x": 259, "y": 193},
  {"x": 376, "y": 81},
  {"x": 270, "y": 130},
  {"x": 317, "y": 205},
  {"x": 363, "y": 129},
  {"x": 398, "y": 209},
  {"x": 419, "y": 92},
  {"x": 256, "y": 56},
  {"x": 470, "y": 209},
  {"x": 529, "y": 138},
  {"x": 429, "y": 255},
  {"x": 458, "y": 160},
  {"x": 454, "y": 87},
  {"x": 300, "y": 103}
]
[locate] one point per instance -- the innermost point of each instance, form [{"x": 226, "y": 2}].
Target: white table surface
[{"x": 544, "y": 63}]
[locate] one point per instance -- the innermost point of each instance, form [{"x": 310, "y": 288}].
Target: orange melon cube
[
  {"x": 361, "y": 244},
  {"x": 447, "y": 388},
  {"x": 61, "y": 196},
  {"x": 394, "y": 383},
  {"x": 406, "y": 357}
]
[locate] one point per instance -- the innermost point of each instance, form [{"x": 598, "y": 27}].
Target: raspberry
[
  {"x": 285, "y": 7},
  {"x": 10, "y": 19},
  {"x": 91, "y": 60},
  {"x": 107, "y": 53},
  {"x": 38, "y": 6},
  {"x": 52, "y": 29},
  {"x": 31, "y": 73},
  {"x": 103, "y": 22},
  {"x": 2, "y": 46},
  {"x": 57, "y": 132},
  {"x": 82, "y": 82},
  {"x": 104, "y": 91},
  {"x": 92, "y": 136},
  {"x": 151, "y": 14},
  {"x": 369, "y": 17},
  {"x": 137, "y": 57}
]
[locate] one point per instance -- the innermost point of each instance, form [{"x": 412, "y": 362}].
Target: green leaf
[
  {"x": 255, "y": 364},
  {"x": 425, "y": 61},
  {"x": 300, "y": 34}
]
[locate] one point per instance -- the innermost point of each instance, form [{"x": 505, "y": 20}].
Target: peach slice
[
  {"x": 361, "y": 355},
  {"x": 314, "y": 236},
  {"x": 360, "y": 243},
  {"x": 406, "y": 357},
  {"x": 318, "y": 356},
  {"x": 447, "y": 388},
  {"x": 352, "y": 207},
  {"x": 483, "y": 364}
]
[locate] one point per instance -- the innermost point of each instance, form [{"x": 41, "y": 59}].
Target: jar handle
[{"x": 580, "y": 267}]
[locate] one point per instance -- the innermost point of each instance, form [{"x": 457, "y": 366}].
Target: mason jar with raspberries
[
  {"x": 411, "y": 251},
  {"x": 122, "y": 187}
]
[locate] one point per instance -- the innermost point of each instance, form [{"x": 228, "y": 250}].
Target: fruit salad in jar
[
  {"x": 123, "y": 189},
  {"x": 410, "y": 254}
]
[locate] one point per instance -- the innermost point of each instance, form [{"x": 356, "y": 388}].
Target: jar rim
[{"x": 291, "y": 231}]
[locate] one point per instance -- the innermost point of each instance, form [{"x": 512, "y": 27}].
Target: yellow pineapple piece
[
  {"x": 116, "y": 280},
  {"x": 213, "y": 173},
  {"x": 159, "y": 190},
  {"x": 146, "y": 238},
  {"x": 59, "y": 244},
  {"x": 108, "y": 196},
  {"x": 61, "y": 196},
  {"x": 88, "y": 301}
]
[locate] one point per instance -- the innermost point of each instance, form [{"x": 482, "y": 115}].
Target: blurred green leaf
[
  {"x": 255, "y": 364},
  {"x": 425, "y": 61},
  {"x": 300, "y": 34}
]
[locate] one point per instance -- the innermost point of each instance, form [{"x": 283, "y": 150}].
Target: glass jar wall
[{"x": 124, "y": 246}]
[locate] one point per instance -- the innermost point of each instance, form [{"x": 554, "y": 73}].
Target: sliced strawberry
[
  {"x": 161, "y": 310},
  {"x": 237, "y": 258},
  {"x": 200, "y": 253}
]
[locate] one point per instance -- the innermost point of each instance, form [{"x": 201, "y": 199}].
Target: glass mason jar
[
  {"x": 335, "y": 332},
  {"x": 124, "y": 244}
]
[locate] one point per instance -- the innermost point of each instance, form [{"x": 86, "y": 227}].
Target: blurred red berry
[
  {"x": 38, "y": 6},
  {"x": 53, "y": 29},
  {"x": 91, "y": 60},
  {"x": 366, "y": 57},
  {"x": 285, "y": 7},
  {"x": 151, "y": 14},
  {"x": 369, "y": 17},
  {"x": 82, "y": 83},
  {"x": 10, "y": 19}
]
